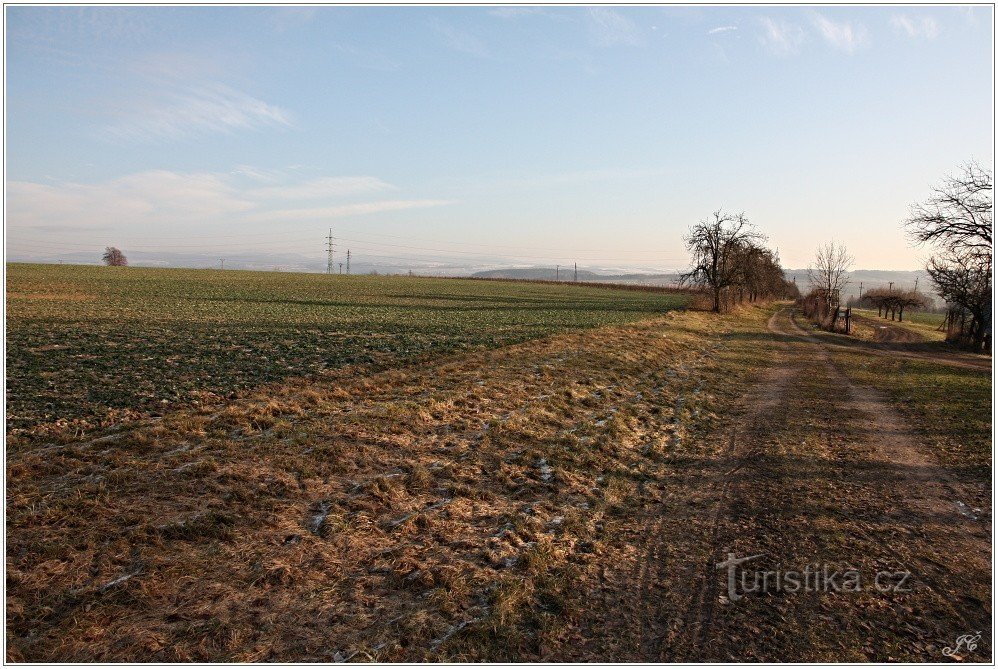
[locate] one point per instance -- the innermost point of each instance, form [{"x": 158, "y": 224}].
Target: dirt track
[
  {"x": 886, "y": 332},
  {"x": 900, "y": 342},
  {"x": 814, "y": 469}
]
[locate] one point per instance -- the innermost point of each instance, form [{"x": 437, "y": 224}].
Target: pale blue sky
[{"x": 539, "y": 134}]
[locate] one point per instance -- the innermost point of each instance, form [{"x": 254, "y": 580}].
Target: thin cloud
[
  {"x": 924, "y": 27},
  {"x": 289, "y": 18},
  {"x": 260, "y": 174},
  {"x": 781, "y": 38},
  {"x": 155, "y": 198},
  {"x": 344, "y": 210},
  {"x": 610, "y": 28},
  {"x": 721, "y": 29},
  {"x": 843, "y": 36},
  {"x": 460, "y": 40},
  {"x": 551, "y": 180},
  {"x": 329, "y": 187},
  {"x": 192, "y": 112},
  {"x": 372, "y": 60}
]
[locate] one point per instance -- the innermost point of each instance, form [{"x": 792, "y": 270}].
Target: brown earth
[
  {"x": 887, "y": 332},
  {"x": 567, "y": 499}
]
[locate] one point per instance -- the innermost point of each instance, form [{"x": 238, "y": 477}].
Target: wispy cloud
[
  {"x": 178, "y": 113},
  {"x": 610, "y": 28},
  {"x": 328, "y": 187},
  {"x": 344, "y": 210},
  {"x": 153, "y": 197},
  {"x": 259, "y": 174},
  {"x": 721, "y": 29},
  {"x": 916, "y": 27},
  {"x": 461, "y": 40},
  {"x": 501, "y": 182},
  {"x": 843, "y": 36},
  {"x": 970, "y": 14},
  {"x": 289, "y": 18},
  {"x": 146, "y": 200},
  {"x": 372, "y": 60},
  {"x": 781, "y": 38}
]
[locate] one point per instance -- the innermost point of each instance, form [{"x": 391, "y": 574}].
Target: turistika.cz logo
[{"x": 815, "y": 577}]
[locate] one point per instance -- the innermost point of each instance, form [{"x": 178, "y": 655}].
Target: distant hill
[
  {"x": 874, "y": 278},
  {"x": 567, "y": 274}
]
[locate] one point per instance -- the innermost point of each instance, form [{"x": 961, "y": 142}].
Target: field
[
  {"x": 88, "y": 347},
  {"x": 557, "y": 480},
  {"x": 923, "y": 326}
]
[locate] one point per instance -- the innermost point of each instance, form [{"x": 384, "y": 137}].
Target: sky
[{"x": 518, "y": 135}]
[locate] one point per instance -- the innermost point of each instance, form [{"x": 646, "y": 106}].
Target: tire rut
[{"x": 754, "y": 409}]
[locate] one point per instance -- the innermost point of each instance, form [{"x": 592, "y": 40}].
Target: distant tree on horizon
[{"x": 113, "y": 257}]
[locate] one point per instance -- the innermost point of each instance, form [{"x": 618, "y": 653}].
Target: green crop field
[
  {"x": 91, "y": 346},
  {"x": 925, "y": 318}
]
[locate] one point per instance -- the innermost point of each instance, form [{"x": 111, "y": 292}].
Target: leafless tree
[
  {"x": 910, "y": 299},
  {"x": 718, "y": 245},
  {"x": 831, "y": 269},
  {"x": 958, "y": 215},
  {"x": 879, "y": 298},
  {"x": 964, "y": 280},
  {"x": 957, "y": 221},
  {"x": 113, "y": 257},
  {"x": 893, "y": 301}
]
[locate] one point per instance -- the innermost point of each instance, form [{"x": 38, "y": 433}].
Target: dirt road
[
  {"x": 811, "y": 470},
  {"x": 887, "y": 332},
  {"x": 900, "y": 342}
]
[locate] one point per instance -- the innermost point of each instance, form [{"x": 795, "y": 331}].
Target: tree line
[
  {"x": 893, "y": 301},
  {"x": 731, "y": 263}
]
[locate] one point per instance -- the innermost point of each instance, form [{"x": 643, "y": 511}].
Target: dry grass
[
  {"x": 560, "y": 499},
  {"x": 438, "y": 512}
]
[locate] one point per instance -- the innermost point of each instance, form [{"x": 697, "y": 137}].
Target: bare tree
[
  {"x": 113, "y": 257},
  {"x": 958, "y": 215},
  {"x": 910, "y": 299},
  {"x": 831, "y": 270},
  {"x": 964, "y": 281},
  {"x": 880, "y": 298},
  {"x": 957, "y": 220},
  {"x": 893, "y": 301},
  {"x": 717, "y": 246}
]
